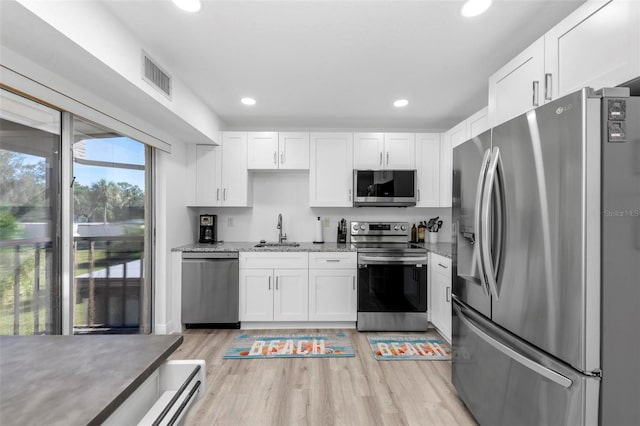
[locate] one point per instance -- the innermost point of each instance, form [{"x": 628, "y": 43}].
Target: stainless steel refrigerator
[{"x": 546, "y": 306}]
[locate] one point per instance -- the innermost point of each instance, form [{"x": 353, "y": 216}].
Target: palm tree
[{"x": 105, "y": 197}]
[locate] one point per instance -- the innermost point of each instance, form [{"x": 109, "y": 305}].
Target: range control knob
[
  {"x": 355, "y": 227},
  {"x": 363, "y": 227},
  {"x": 395, "y": 228},
  {"x": 403, "y": 227}
]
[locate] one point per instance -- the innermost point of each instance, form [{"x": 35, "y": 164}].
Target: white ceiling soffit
[{"x": 339, "y": 64}]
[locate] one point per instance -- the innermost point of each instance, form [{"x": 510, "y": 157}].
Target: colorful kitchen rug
[
  {"x": 425, "y": 347},
  {"x": 268, "y": 346}
]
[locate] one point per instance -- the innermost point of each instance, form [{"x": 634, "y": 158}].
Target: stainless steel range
[{"x": 392, "y": 278}]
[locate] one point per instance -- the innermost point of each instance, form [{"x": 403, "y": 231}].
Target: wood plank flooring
[{"x": 328, "y": 391}]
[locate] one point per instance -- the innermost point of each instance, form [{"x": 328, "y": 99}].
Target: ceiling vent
[{"x": 155, "y": 76}]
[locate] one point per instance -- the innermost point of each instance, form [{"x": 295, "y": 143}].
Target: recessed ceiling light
[
  {"x": 248, "y": 101},
  {"x": 188, "y": 5},
  {"x": 401, "y": 103},
  {"x": 475, "y": 7}
]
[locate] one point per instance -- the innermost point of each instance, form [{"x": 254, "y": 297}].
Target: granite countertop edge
[{"x": 442, "y": 249}]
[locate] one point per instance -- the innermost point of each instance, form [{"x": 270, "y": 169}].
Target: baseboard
[{"x": 268, "y": 325}]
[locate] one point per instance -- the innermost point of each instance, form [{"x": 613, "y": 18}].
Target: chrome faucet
[{"x": 281, "y": 236}]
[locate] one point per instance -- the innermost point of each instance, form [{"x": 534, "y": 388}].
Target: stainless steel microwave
[{"x": 384, "y": 188}]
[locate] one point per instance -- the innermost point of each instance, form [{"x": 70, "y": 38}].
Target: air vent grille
[{"x": 155, "y": 75}]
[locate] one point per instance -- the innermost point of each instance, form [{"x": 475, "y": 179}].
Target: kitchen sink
[{"x": 261, "y": 244}]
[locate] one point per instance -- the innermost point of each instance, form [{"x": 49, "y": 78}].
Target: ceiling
[{"x": 338, "y": 64}]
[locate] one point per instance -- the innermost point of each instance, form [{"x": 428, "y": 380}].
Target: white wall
[
  {"x": 287, "y": 192},
  {"x": 174, "y": 226}
]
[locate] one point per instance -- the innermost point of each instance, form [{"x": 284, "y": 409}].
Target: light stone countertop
[{"x": 443, "y": 249}]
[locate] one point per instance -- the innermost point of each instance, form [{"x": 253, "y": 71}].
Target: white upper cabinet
[
  {"x": 273, "y": 150},
  {"x": 368, "y": 150},
  {"x": 598, "y": 46},
  {"x": 207, "y": 177},
  {"x": 331, "y": 170},
  {"x": 218, "y": 183},
  {"x": 456, "y": 135},
  {"x": 294, "y": 150},
  {"x": 477, "y": 123},
  {"x": 262, "y": 152},
  {"x": 380, "y": 151},
  {"x": 400, "y": 151},
  {"x": 428, "y": 165},
  {"x": 516, "y": 87},
  {"x": 234, "y": 188}
]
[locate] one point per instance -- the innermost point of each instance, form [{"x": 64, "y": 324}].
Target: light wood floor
[{"x": 328, "y": 391}]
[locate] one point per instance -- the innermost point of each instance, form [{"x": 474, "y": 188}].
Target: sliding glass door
[
  {"x": 30, "y": 146},
  {"x": 110, "y": 286},
  {"x": 110, "y": 222}
]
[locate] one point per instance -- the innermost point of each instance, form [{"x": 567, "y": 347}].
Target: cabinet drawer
[
  {"x": 441, "y": 265},
  {"x": 284, "y": 260},
  {"x": 165, "y": 396},
  {"x": 332, "y": 260}
]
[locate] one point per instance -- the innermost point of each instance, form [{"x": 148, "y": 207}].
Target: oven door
[{"x": 392, "y": 283}]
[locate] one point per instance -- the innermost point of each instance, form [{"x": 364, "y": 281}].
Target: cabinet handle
[
  {"x": 269, "y": 283},
  {"x": 224, "y": 194},
  {"x": 418, "y": 195},
  {"x": 277, "y": 282},
  {"x": 349, "y": 195},
  {"x": 218, "y": 194},
  {"x": 387, "y": 158},
  {"x": 333, "y": 260},
  {"x": 282, "y": 157},
  {"x": 381, "y": 158},
  {"x": 443, "y": 266},
  {"x": 448, "y": 294},
  {"x": 354, "y": 283},
  {"x": 275, "y": 157},
  {"x": 548, "y": 81},
  {"x": 536, "y": 86}
]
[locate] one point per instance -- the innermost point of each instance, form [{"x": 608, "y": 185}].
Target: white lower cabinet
[
  {"x": 440, "y": 282},
  {"x": 333, "y": 288},
  {"x": 274, "y": 286}
]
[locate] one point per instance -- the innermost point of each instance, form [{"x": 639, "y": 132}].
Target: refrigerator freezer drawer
[{"x": 504, "y": 382}]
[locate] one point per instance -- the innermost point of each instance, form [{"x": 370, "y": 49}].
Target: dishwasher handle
[{"x": 209, "y": 255}]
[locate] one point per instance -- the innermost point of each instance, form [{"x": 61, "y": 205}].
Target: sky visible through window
[{"x": 116, "y": 150}]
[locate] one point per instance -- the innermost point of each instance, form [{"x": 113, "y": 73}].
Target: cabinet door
[
  {"x": 441, "y": 294},
  {"x": 446, "y": 162},
  {"x": 428, "y": 166},
  {"x": 332, "y": 295},
  {"x": 235, "y": 177},
  {"x": 598, "y": 46},
  {"x": 262, "y": 150},
  {"x": 294, "y": 151},
  {"x": 368, "y": 151},
  {"x": 256, "y": 294},
  {"x": 207, "y": 175},
  {"x": 400, "y": 151},
  {"x": 291, "y": 295},
  {"x": 516, "y": 87},
  {"x": 331, "y": 170}
]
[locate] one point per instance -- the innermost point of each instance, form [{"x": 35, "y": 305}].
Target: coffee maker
[{"x": 208, "y": 228}]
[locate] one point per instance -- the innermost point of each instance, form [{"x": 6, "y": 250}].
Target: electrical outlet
[{"x": 230, "y": 222}]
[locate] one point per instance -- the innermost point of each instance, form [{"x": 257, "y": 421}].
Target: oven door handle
[{"x": 418, "y": 260}]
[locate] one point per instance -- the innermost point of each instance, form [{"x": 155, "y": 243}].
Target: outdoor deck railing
[
  {"x": 107, "y": 287},
  {"x": 26, "y": 286}
]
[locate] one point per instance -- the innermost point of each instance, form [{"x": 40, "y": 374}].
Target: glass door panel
[
  {"x": 30, "y": 145},
  {"x": 110, "y": 198}
]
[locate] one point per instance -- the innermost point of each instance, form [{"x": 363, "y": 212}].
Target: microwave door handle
[
  {"x": 485, "y": 217},
  {"x": 476, "y": 225}
]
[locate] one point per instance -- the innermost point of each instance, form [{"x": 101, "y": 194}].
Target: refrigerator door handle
[
  {"x": 478, "y": 238},
  {"x": 485, "y": 217},
  {"x": 521, "y": 359}
]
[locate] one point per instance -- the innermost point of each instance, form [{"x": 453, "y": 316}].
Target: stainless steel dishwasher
[{"x": 210, "y": 289}]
